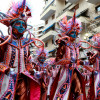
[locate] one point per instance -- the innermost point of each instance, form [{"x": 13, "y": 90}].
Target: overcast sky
[{"x": 36, "y": 7}]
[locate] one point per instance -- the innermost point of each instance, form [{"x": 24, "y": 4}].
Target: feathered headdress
[
  {"x": 96, "y": 40},
  {"x": 72, "y": 25},
  {"x": 40, "y": 51},
  {"x": 17, "y": 11},
  {"x": 41, "y": 55}
]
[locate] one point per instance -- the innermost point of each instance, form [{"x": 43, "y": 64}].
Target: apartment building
[
  {"x": 37, "y": 30},
  {"x": 48, "y": 15},
  {"x": 87, "y": 11},
  {"x": 37, "y": 33}
]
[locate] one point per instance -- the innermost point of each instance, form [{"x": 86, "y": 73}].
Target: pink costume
[
  {"x": 94, "y": 59},
  {"x": 15, "y": 79},
  {"x": 42, "y": 71},
  {"x": 69, "y": 83}
]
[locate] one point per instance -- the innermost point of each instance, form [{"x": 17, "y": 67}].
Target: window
[
  {"x": 40, "y": 27},
  {"x": 46, "y": 1},
  {"x": 40, "y": 32},
  {"x": 98, "y": 8},
  {"x": 46, "y": 22},
  {"x": 53, "y": 16},
  {"x": 51, "y": 28},
  {"x": 46, "y": 44},
  {"x": 65, "y": 2},
  {"x": 53, "y": 54},
  {"x": 75, "y": 7},
  {"x": 84, "y": 13},
  {"x": 52, "y": 41}
]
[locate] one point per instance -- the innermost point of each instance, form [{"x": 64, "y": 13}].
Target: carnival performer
[
  {"x": 53, "y": 71},
  {"x": 94, "y": 59},
  {"x": 15, "y": 77},
  {"x": 41, "y": 71},
  {"x": 69, "y": 83}
]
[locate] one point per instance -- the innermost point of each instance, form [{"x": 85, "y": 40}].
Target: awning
[
  {"x": 97, "y": 17},
  {"x": 48, "y": 27},
  {"x": 78, "y": 15},
  {"x": 90, "y": 37},
  {"x": 51, "y": 50},
  {"x": 81, "y": 13}
]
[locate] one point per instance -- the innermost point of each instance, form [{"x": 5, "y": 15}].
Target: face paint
[
  {"x": 42, "y": 58},
  {"x": 73, "y": 35},
  {"x": 19, "y": 25},
  {"x": 96, "y": 43}
]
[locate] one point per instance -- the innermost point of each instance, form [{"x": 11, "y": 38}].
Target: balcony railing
[
  {"x": 64, "y": 10},
  {"x": 49, "y": 24},
  {"x": 48, "y": 35},
  {"x": 93, "y": 1},
  {"x": 72, "y": 1},
  {"x": 45, "y": 8}
]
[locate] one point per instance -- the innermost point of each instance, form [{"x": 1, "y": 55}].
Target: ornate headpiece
[
  {"x": 41, "y": 55},
  {"x": 16, "y": 11},
  {"x": 67, "y": 27},
  {"x": 96, "y": 40},
  {"x": 41, "y": 52}
]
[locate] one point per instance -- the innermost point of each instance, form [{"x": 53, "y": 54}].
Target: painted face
[
  {"x": 96, "y": 43},
  {"x": 73, "y": 35},
  {"x": 42, "y": 58},
  {"x": 19, "y": 26}
]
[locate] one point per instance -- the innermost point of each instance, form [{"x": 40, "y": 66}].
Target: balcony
[
  {"x": 73, "y": 1},
  {"x": 50, "y": 24},
  {"x": 93, "y": 1},
  {"x": 83, "y": 19},
  {"x": 47, "y": 36},
  {"x": 47, "y": 3},
  {"x": 48, "y": 11},
  {"x": 67, "y": 13},
  {"x": 97, "y": 29},
  {"x": 83, "y": 16}
]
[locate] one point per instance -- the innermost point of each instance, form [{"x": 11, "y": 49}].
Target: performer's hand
[
  {"x": 73, "y": 60},
  {"x": 92, "y": 60},
  {"x": 44, "y": 86},
  {"x": 80, "y": 62},
  {"x": 31, "y": 71},
  {"x": 89, "y": 53},
  {"x": 7, "y": 71}
]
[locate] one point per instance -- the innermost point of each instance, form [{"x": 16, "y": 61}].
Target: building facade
[
  {"x": 87, "y": 11},
  {"x": 37, "y": 33},
  {"x": 37, "y": 29}
]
